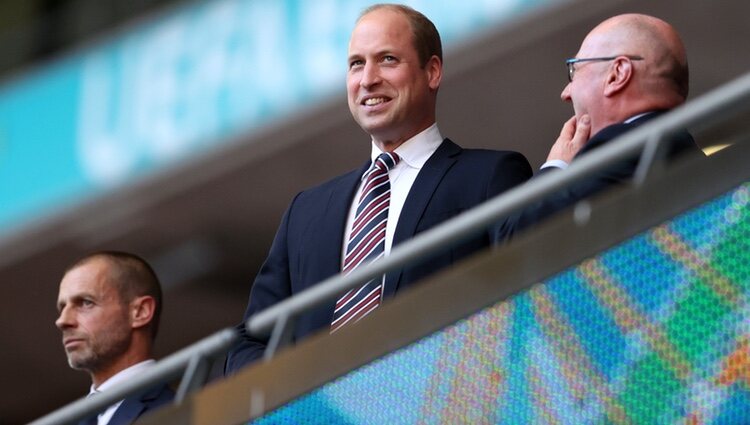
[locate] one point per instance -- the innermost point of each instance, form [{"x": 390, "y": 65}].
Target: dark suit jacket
[
  {"x": 681, "y": 143},
  {"x": 133, "y": 407},
  {"x": 307, "y": 247}
]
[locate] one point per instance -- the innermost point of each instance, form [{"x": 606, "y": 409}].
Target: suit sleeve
[
  {"x": 512, "y": 170},
  {"x": 564, "y": 198},
  {"x": 272, "y": 285},
  {"x": 681, "y": 143}
]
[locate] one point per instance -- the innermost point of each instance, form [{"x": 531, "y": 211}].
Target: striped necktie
[{"x": 366, "y": 242}]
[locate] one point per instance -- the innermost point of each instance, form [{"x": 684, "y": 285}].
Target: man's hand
[{"x": 574, "y": 134}]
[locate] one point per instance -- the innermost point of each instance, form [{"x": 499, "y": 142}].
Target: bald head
[
  {"x": 666, "y": 68},
  {"x": 649, "y": 71}
]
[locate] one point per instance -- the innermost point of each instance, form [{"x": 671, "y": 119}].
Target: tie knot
[{"x": 386, "y": 160}]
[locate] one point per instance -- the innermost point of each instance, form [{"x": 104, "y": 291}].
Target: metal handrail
[
  {"x": 163, "y": 371},
  {"x": 728, "y": 100}
]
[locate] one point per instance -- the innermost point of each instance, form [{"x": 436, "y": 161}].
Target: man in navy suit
[
  {"x": 630, "y": 69},
  {"x": 394, "y": 72},
  {"x": 109, "y": 306}
]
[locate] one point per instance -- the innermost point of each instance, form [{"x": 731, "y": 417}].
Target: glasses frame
[{"x": 572, "y": 61}]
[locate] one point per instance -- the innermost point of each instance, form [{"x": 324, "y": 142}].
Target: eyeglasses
[{"x": 572, "y": 61}]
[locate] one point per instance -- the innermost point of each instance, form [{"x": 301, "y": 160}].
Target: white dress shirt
[
  {"x": 414, "y": 153},
  {"x": 116, "y": 379}
]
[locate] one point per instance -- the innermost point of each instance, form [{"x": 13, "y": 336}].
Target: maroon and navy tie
[{"x": 367, "y": 242}]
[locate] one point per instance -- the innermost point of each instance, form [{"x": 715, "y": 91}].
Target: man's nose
[
  {"x": 66, "y": 319},
  {"x": 370, "y": 75},
  {"x": 565, "y": 95}
]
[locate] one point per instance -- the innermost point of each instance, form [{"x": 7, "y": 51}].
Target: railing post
[
  {"x": 652, "y": 157},
  {"x": 280, "y": 336},
  {"x": 165, "y": 370},
  {"x": 194, "y": 377}
]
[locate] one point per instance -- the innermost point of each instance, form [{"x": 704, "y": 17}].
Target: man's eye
[
  {"x": 389, "y": 58},
  {"x": 87, "y": 303},
  {"x": 355, "y": 63}
]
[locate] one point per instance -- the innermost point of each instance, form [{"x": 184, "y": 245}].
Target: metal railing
[
  {"x": 194, "y": 360},
  {"x": 648, "y": 140}
]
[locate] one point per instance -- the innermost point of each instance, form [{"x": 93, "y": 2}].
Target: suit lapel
[
  {"x": 334, "y": 222},
  {"x": 128, "y": 411},
  {"x": 132, "y": 407},
  {"x": 421, "y": 192},
  {"x": 332, "y": 227}
]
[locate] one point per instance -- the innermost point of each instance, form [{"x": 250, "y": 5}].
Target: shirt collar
[
  {"x": 417, "y": 150},
  {"x": 635, "y": 117},
  {"x": 122, "y": 375}
]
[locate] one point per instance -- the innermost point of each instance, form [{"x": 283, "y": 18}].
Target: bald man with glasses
[{"x": 629, "y": 69}]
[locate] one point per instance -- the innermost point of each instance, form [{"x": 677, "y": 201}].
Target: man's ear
[
  {"x": 434, "y": 68},
  {"x": 619, "y": 76},
  {"x": 142, "y": 311}
]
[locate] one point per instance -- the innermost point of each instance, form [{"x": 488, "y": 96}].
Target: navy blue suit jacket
[
  {"x": 307, "y": 247},
  {"x": 134, "y": 407},
  {"x": 680, "y": 143}
]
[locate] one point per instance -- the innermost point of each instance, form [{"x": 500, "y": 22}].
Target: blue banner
[{"x": 179, "y": 84}]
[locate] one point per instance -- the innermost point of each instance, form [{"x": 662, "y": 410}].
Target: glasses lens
[{"x": 571, "y": 71}]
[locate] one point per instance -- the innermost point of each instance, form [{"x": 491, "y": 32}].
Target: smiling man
[
  {"x": 109, "y": 306},
  {"x": 415, "y": 179}
]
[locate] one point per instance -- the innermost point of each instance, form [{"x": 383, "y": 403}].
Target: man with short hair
[
  {"x": 109, "y": 306},
  {"x": 630, "y": 69},
  {"x": 414, "y": 180}
]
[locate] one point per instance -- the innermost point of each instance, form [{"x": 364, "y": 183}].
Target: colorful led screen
[{"x": 654, "y": 330}]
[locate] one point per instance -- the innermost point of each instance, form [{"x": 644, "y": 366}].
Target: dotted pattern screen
[{"x": 654, "y": 330}]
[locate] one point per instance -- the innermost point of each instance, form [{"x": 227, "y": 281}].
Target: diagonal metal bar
[
  {"x": 164, "y": 370},
  {"x": 731, "y": 99}
]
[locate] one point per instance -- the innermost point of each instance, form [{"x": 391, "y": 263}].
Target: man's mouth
[
  {"x": 69, "y": 343},
  {"x": 372, "y": 101}
]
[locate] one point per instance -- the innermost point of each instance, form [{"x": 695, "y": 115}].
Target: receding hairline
[
  {"x": 118, "y": 259},
  {"x": 124, "y": 266},
  {"x": 425, "y": 36}
]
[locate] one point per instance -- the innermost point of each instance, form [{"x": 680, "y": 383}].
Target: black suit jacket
[
  {"x": 134, "y": 407},
  {"x": 681, "y": 143},
  {"x": 307, "y": 247}
]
